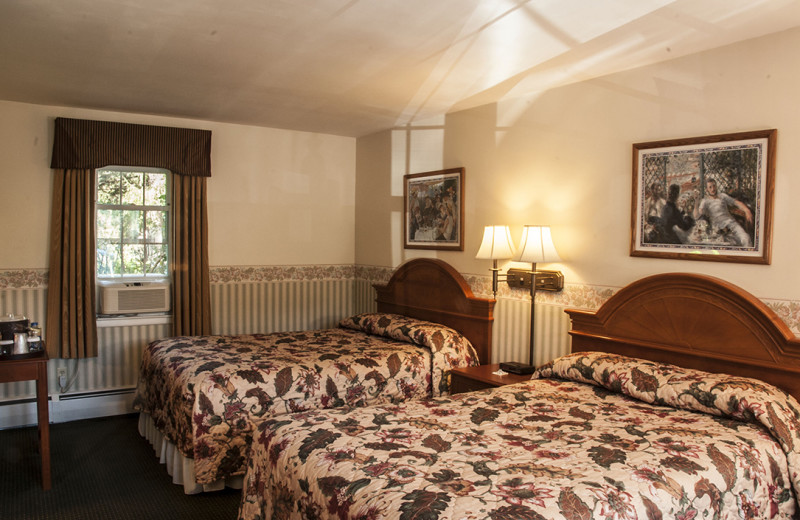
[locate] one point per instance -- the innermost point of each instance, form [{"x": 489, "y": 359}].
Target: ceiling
[{"x": 345, "y": 67}]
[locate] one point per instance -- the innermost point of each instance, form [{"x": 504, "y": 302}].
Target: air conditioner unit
[{"x": 134, "y": 297}]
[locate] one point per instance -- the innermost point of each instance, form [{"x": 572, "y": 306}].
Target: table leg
[{"x": 44, "y": 423}]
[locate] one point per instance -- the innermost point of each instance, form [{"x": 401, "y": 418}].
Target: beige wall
[
  {"x": 564, "y": 158},
  {"x": 276, "y": 197}
]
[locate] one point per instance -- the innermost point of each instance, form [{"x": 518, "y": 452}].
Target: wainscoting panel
[
  {"x": 28, "y": 301},
  {"x": 247, "y": 305},
  {"x": 119, "y": 356},
  {"x": 364, "y": 297},
  {"x": 552, "y": 333},
  {"x": 237, "y": 308},
  {"x": 263, "y": 307},
  {"x": 270, "y": 299},
  {"x": 115, "y": 367},
  {"x": 511, "y": 332}
]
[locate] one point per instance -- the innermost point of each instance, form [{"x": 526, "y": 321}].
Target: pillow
[
  {"x": 740, "y": 398},
  {"x": 410, "y": 330},
  {"x": 449, "y": 348}
]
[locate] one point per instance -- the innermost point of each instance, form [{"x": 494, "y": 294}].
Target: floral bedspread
[
  {"x": 203, "y": 392},
  {"x": 624, "y": 439}
]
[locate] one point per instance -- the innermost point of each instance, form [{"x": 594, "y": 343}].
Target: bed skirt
[{"x": 179, "y": 467}]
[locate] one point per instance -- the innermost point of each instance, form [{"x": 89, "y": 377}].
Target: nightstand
[
  {"x": 467, "y": 379},
  {"x": 33, "y": 367}
]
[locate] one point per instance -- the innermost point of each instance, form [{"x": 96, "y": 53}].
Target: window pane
[
  {"x": 133, "y": 259},
  {"x": 108, "y": 257},
  {"x": 133, "y": 188},
  {"x": 109, "y": 223},
  {"x": 132, "y": 242},
  {"x": 156, "y": 226},
  {"x": 133, "y": 225},
  {"x": 108, "y": 189},
  {"x": 155, "y": 193},
  {"x": 157, "y": 259}
]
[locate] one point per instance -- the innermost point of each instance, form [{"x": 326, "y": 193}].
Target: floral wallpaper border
[
  {"x": 278, "y": 273},
  {"x": 23, "y": 278},
  {"x": 578, "y": 296}
]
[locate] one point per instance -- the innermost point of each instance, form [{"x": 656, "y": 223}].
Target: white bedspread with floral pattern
[
  {"x": 203, "y": 392},
  {"x": 592, "y": 436}
]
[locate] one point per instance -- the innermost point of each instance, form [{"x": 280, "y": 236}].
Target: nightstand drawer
[{"x": 468, "y": 379}]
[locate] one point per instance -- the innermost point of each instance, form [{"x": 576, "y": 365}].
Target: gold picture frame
[
  {"x": 433, "y": 211},
  {"x": 704, "y": 198}
]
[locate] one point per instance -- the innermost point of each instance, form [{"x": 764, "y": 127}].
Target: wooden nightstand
[
  {"x": 467, "y": 379},
  {"x": 25, "y": 367}
]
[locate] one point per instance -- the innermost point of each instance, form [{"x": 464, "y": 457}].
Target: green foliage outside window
[{"x": 132, "y": 223}]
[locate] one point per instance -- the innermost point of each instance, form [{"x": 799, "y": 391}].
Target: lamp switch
[{"x": 519, "y": 279}]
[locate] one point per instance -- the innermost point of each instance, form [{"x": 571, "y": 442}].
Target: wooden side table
[
  {"x": 33, "y": 367},
  {"x": 467, "y": 379}
]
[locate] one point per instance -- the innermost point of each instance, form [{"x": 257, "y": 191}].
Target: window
[{"x": 132, "y": 224}]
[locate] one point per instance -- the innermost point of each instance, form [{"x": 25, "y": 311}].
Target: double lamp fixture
[{"x": 536, "y": 246}]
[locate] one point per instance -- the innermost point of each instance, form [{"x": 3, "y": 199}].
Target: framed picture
[
  {"x": 434, "y": 210},
  {"x": 704, "y": 198}
]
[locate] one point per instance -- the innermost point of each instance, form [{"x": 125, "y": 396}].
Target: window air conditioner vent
[{"x": 135, "y": 297}]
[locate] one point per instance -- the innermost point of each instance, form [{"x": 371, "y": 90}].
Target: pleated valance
[{"x": 85, "y": 144}]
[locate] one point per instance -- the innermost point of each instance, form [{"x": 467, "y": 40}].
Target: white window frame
[{"x": 138, "y": 277}]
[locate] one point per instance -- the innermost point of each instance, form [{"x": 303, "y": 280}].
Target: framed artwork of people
[
  {"x": 704, "y": 198},
  {"x": 434, "y": 210}
]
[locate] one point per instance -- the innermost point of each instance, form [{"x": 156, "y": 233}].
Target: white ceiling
[{"x": 347, "y": 67}]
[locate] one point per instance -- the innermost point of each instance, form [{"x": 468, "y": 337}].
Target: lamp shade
[
  {"x": 496, "y": 243},
  {"x": 537, "y": 246}
]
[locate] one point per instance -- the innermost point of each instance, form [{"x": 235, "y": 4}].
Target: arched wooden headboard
[
  {"x": 694, "y": 321},
  {"x": 432, "y": 290}
]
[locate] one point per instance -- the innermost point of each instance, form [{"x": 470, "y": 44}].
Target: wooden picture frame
[
  {"x": 433, "y": 210},
  {"x": 704, "y": 198}
]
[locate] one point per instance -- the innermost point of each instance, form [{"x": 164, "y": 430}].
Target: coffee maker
[{"x": 10, "y": 325}]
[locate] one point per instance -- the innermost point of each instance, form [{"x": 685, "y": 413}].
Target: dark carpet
[{"x": 101, "y": 469}]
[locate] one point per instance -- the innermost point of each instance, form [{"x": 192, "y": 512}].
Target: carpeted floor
[{"x": 102, "y": 469}]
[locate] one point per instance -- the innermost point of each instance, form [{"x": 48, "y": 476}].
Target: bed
[
  {"x": 677, "y": 401},
  {"x": 197, "y": 396}
]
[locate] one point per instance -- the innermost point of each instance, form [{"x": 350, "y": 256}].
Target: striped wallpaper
[
  {"x": 268, "y": 299},
  {"x": 512, "y": 331},
  {"x": 237, "y": 308},
  {"x": 247, "y": 306}
]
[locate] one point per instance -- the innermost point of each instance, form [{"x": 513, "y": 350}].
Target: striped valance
[{"x": 84, "y": 144}]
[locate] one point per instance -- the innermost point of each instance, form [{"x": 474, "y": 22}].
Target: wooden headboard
[
  {"x": 432, "y": 290},
  {"x": 693, "y": 321}
]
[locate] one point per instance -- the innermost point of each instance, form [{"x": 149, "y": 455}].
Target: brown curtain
[
  {"x": 79, "y": 147},
  {"x": 191, "y": 299},
  {"x": 84, "y": 144},
  {"x": 71, "y": 327}
]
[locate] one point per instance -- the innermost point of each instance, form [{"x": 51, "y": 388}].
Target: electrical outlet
[{"x": 62, "y": 377}]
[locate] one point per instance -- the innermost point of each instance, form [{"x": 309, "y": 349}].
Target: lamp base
[{"x": 514, "y": 367}]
